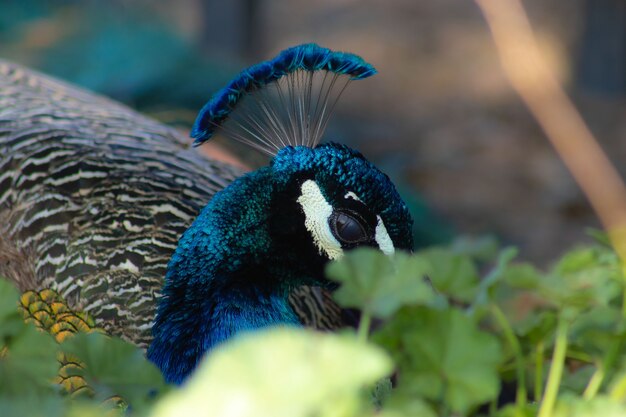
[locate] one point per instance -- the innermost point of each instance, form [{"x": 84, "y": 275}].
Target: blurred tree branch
[{"x": 534, "y": 82}]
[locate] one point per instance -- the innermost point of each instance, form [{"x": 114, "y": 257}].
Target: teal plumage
[
  {"x": 207, "y": 299},
  {"x": 96, "y": 197}
]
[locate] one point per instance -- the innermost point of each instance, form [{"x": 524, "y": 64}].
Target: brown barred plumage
[{"x": 93, "y": 199}]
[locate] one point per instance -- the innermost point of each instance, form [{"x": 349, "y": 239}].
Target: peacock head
[
  {"x": 335, "y": 200},
  {"x": 273, "y": 229}
]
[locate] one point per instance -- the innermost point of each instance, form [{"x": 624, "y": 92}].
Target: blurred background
[{"x": 439, "y": 118}]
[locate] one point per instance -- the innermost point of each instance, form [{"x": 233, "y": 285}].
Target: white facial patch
[
  {"x": 382, "y": 238},
  {"x": 317, "y": 212},
  {"x": 351, "y": 195}
]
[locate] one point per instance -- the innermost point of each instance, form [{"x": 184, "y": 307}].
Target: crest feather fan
[{"x": 286, "y": 101}]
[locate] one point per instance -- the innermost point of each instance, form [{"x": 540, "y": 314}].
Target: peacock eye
[{"x": 349, "y": 228}]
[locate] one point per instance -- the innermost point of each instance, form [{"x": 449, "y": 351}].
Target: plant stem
[
  {"x": 520, "y": 365},
  {"x": 539, "y": 370},
  {"x": 602, "y": 368},
  {"x": 624, "y": 289},
  {"x": 364, "y": 326},
  {"x": 556, "y": 370},
  {"x": 594, "y": 383}
]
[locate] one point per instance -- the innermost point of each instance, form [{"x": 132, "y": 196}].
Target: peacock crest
[{"x": 286, "y": 101}]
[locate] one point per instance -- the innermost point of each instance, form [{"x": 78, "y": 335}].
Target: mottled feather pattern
[
  {"x": 316, "y": 308},
  {"x": 96, "y": 196}
]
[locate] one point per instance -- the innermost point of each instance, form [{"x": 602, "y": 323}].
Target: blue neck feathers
[
  {"x": 218, "y": 281},
  {"x": 235, "y": 266}
]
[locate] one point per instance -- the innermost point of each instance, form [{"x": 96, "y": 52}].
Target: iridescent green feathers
[{"x": 282, "y": 102}]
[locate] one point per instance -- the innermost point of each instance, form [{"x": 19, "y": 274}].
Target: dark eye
[{"x": 349, "y": 228}]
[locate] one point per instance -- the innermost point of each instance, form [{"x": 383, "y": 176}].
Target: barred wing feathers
[
  {"x": 93, "y": 199},
  {"x": 97, "y": 194}
]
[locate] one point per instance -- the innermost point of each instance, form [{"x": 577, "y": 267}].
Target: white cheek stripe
[
  {"x": 351, "y": 195},
  {"x": 382, "y": 238},
  {"x": 317, "y": 211}
]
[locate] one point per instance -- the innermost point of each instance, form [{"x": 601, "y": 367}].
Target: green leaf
[
  {"x": 485, "y": 286},
  {"x": 575, "y": 380},
  {"x": 584, "y": 278},
  {"x": 522, "y": 276},
  {"x": 32, "y": 406},
  {"x": 514, "y": 410},
  {"x": 280, "y": 372},
  {"x": 11, "y": 321},
  {"x": 381, "y": 392},
  {"x": 584, "y": 258},
  {"x": 443, "y": 357},
  {"x": 451, "y": 273},
  {"x": 596, "y": 330},
  {"x": 572, "y": 406},
  {"x": 8, "y": 299},
  {"x": 400, "y": 405},
  {"x": 29, "y": 365},
  {"x": 379, "y": 284},
  {"x": 115, "y": 367}
]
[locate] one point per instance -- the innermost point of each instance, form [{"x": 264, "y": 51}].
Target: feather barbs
[{"x": 286, "y": 101}]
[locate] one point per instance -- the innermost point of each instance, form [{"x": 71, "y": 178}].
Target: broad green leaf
[
  {"x": 451, "y": 273},
  {"x": 93, "y": 409},
  {"x": 379, "y": 284},
  {"x": 115, "y": 367},
  {"x": 8, "y": 299},
  {"x": 443, "y": 357},
  {"x": 280, "y": 372},
  {"x": 575, "y": 379},
  {"x": 531, "y": 314},
  {"x": 381, "y": 392},
  {"x": 29, "y": 364},
  {"x": 583, "y": 279},
  {"x": 522, "y": 276},
  {"x": 573, "y": 406},
  {"x": 513, "y": 410},
  {"x": 24, "y": 405},
  {"x": 11, "y": 321},
  {"x": 486, "y": 285},
  {"x": 537, "y": 324},
  {"x": 406, "y": 406},
  {"x": 595, "y": 330},
  {"x": 584, "y": 258}
]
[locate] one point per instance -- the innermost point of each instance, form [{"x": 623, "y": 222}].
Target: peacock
[{"x": 121, "y": 218}]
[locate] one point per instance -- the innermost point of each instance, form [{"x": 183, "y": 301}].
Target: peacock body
[{"x": 175, "y": 252}]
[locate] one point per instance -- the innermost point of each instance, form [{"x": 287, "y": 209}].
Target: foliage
[
  {"x": 274, "y": 374},
  {"x": 448, "y": 331}
]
